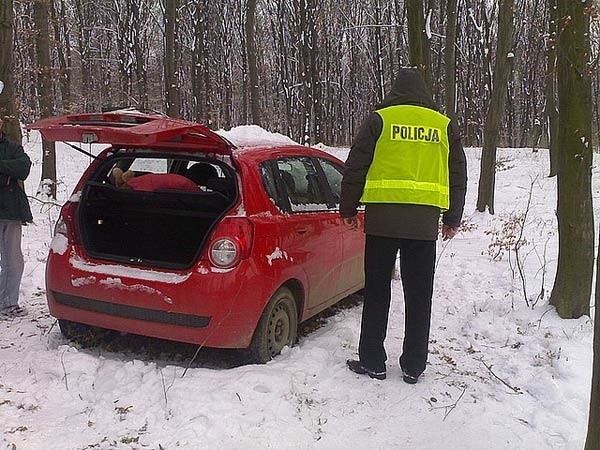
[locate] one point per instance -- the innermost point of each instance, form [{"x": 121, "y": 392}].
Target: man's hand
[
  {"x": 448, "y": 232},
  {"x": 351, "y": 223}
]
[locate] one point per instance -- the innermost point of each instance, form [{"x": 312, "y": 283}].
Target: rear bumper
[
  {"x": 131, "y": 312},
  {"x": 200, "y": 306}
]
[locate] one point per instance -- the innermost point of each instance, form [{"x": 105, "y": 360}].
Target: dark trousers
[{"x": 417, "y": 263}]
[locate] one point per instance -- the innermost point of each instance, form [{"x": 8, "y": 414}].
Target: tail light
[
  {"x": 230, "y": 242},
  {"x": 65, "y": 224}
]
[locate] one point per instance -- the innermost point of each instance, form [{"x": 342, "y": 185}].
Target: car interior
[{"x": 117, "y": 224}]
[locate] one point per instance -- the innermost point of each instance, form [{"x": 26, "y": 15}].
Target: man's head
[{"x": 408, "y": 88}]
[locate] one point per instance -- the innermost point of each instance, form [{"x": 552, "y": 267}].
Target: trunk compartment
[{"x": 160, "y": 229}]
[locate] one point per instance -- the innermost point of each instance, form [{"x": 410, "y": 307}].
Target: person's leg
[
  {"x": 380, "y": 255},
  {"x": 417, "y": 263},
  {"x": 3, "y": 268},
  {"x": 11, "y": 263}
]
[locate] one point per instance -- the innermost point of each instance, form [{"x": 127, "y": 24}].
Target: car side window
[
  {"x": 301, "y": 182},
  {"x": 149, "y": 165},
  {"x": 270, "y": 185},
  {"x": 333, "y": 174}
]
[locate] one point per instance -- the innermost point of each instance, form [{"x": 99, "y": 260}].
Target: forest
[{"x": 310, "y": 69}]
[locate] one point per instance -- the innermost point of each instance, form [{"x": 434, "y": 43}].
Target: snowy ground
[{"x": 501, "y": 375}]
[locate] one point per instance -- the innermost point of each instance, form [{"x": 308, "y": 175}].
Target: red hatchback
[{"x": 174, "y": 232}]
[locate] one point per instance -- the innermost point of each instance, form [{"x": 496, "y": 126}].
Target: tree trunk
[
  {"x": 377, "y": 54},
  {"x": 502, "y": 70},
  {"x": 315, "y": 79},
  {"x": 592, "y": 441},
  {"x": 551, "y": 111},
  {"x": 450, "y": 60},
  {"x": 62, "y": 47},
  {"x": 8, "y": 109},
  {"x": 303, "y": 12},
  {"x": 170, "y": 61},
  {"x": 41, "y": 13},
  {"x": 82, "y": 23},
  {"x": 200, "y": 72},
  {"x": 418, "y": 42},
  {"x": 251, "y": 51},
  {"x": 573, "y": 284}
]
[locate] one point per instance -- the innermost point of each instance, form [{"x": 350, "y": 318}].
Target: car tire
[{"x": 278, "y": 327}]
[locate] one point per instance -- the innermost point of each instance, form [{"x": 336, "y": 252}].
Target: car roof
[{"x": 258, "y": 153}]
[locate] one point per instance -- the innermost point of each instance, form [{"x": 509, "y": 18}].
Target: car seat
[
  {"x": 313, "y": 191},
  {"x": 200, "y": 172},
  {"x": 288, "y": 179},
  {"x": 225, "y": 186}
]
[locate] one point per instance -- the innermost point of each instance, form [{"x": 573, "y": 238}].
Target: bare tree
[
  {"x": 200, "y": 76},
  {"x": 63, "y": 52},
  {"x": 450, "y": 59},
  {"x": 41, "y": 14},
  {"x": 418, "y": 41},
  {"x": 8, "y": 110},
  {"x": 173, "y": 99},
  {"x": 502, "y": 70},
  {"x": 551, "y": 111},
  {"x": 251, "y": 52},
  {"x": 573, "y": 283},
  {"x": 592, "y": 441}
]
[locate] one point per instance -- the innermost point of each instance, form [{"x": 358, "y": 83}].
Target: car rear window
[{"x": 164, "y": 172}]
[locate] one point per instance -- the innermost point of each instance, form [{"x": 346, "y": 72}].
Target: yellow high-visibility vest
[{"x": 410, "y": 163}]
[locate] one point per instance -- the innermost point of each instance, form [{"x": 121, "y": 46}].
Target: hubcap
[{"x": 279, "y": 329}]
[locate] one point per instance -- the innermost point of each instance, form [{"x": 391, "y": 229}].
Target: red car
[{"x": 234, "y": 258}]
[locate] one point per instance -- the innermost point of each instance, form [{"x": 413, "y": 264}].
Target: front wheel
[{"x": 278, "y": 326}]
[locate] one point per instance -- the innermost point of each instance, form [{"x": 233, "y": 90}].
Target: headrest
[{"x": 200, "y": 172}]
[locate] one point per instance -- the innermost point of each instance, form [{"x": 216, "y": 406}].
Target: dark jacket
[
  {"x": 14, "y": 167},
  {"x": 401, "y": 220}
]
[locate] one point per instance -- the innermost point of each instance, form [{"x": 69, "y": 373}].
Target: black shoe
[
  {"x": 357, "y": 367},
  {"x": 408, "y": 378}
]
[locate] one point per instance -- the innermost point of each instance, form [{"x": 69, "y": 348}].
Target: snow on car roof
[{"x": 254, "y": 136}]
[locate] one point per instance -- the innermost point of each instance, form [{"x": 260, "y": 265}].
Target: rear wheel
[{"x": 278, "y": 326}]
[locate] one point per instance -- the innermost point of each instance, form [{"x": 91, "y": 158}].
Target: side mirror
[{"x": 1, "y": 86}]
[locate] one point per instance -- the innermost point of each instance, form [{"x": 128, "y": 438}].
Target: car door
[
  {"x": 311, "y": 231},
  {"x": 351, "y": 274}
]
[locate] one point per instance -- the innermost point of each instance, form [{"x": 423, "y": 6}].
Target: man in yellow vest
[{"x": 407, "y": 165}]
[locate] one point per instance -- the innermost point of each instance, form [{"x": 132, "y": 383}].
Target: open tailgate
[{"x": 132, "y": 129}]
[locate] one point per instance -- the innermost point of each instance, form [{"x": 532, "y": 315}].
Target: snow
[
  {"x": 500, "y": 374},
  {"x": 276, "y": 254},
  {"x": 59, "y": 244},
  {"x": 253, "y": 135},
  {"x": 127, "y": 272}
]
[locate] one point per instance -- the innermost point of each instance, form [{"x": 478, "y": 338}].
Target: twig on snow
[
  {"x": 62, "y": 363},
  {"x": 51, "y": 327},
  {"x": 166, "y": 391},
  {"x": 450, "y": 408},
  {"x": 515, "y": 389}
]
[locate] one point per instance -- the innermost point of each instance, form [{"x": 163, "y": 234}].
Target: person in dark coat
[
  {"x": 14, "y": 210},
  {"x": 407, "y": 165}
]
